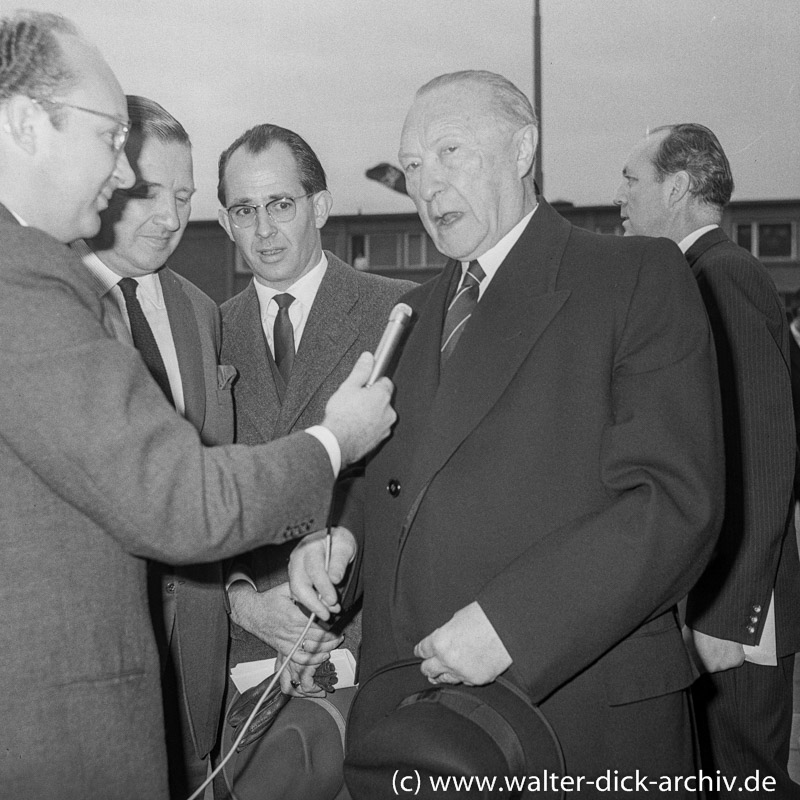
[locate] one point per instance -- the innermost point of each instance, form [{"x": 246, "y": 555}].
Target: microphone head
[{"x": 400, "y": 313}]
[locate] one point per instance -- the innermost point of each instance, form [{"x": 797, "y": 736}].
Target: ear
[
  {"x": 225, "y": 221},
  {"x": 680, "y": 184},
  {"x": 323, "y": 202},
  {"x": 22, "y": 121},
  {"x": 525, "y": 141}
]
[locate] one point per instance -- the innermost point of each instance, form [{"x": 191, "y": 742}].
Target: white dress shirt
[
  {"x": 304, "y": 290},
  {"x": 491, "y": 260},
  {"x": 151, "y": 299},
  {"x": 689, "y": 240}
]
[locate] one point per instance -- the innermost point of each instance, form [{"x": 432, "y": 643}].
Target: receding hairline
[{"x": 500, "y": 94}]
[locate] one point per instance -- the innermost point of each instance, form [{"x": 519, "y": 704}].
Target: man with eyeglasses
[
  {"x": 97, "y": 470},
  {"x": 292, "y": 334}
]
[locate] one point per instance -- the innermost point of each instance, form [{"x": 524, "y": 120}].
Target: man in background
[
  {"x": 140, "y": 230},
  {"x": 97, "y": 471},
  {"x": 292, "y": 335},
  {"x": 742, "y": 615}
]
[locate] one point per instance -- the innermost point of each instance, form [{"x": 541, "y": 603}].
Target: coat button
[
  {"x": 757, "y": 609},
  {"x": 751, "y": 629},
  {"x": 754, "y": 620},
  {"x": 170, "y": 588},
  {"x": 393, "y": 487}
]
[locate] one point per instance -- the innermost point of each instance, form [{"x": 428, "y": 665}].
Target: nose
[
  {"x": 431, "y": 181},
  {"x": 167, "y": 214},
  {"x": 265, "y": 225},
  {"x": 621, "y": 196},
  {"x": 123, "y": 174}
]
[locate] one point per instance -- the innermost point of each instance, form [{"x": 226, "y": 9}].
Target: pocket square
[{"x": 226, "y": 374}]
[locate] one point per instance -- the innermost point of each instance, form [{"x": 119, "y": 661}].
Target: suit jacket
[
  {"x": 348, "y": 316},
  {"x": 201, "y": 620},
  {"x": 757, "y": 550},
  {"x": 564, "y": 470},
  {"x": 97, "y": 474}
]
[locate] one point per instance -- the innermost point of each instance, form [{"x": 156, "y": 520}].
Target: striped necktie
[{"x": 461, "y": 308}]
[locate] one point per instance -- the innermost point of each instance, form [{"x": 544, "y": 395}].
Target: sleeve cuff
[
  {"x": 329, "y": 441},
  {"x": 236, "y": 575}
]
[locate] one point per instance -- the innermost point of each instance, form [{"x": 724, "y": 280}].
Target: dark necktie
[
  {"x": 461, "y": 308},
  {"x": 283, "y": 336},
  {"x": 143, "y": 339}
]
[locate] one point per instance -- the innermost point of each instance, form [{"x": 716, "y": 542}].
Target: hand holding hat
[{"x": 466, "y": 649}]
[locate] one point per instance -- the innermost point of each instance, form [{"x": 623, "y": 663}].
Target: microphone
[{"x": 384, "y": 352}]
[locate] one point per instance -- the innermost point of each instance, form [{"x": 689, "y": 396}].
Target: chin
[{"x": 89, "y": 227}]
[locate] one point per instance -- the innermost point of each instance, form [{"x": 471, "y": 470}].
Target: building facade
[{"x": 398, "y": 246}]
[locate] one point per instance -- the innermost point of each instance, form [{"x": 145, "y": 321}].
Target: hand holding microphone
[{"x": 359, "y": 413}]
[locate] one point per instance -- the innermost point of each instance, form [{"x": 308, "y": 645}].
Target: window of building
[
  {"x": 773, "y": 241},
  {"x": 382, "y": 249},
  {"x": 415, "y": 256},
  {"x": 401, "y": 250},
  {"x": 433, "y": 258},
  {"x": 744, "y": 236}
]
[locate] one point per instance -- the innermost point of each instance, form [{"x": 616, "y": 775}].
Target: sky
[{"x": 342, "y": 73}]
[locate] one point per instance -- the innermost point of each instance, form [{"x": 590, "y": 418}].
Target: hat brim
[{"x": 374, "y": 715}]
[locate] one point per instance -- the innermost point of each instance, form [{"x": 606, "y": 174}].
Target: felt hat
[
  {"x": 400, "y": 726},
  {"x": 298, "y": 758}
]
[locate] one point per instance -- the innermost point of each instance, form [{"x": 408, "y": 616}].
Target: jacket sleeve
[
  {"x": 590, "y": 583},
  {"x": 731, "y": 598},
  {"x": 80, "y": 410}
]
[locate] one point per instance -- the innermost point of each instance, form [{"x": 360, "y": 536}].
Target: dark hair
[
  {"x": 510, "y": 103},
  {"x": 262, "y": 137},
  {"x": 696, "y": 150},
  {"x": 31, "y": 58},
  {"x": 148, "y": 118}
]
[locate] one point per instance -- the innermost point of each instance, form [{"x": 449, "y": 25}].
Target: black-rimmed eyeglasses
[
  {"x": 119, "y": 136},
  {"x": 282, "y": 209}
]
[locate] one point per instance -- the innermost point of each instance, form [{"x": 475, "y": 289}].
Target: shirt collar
[
  {"x": 491, "y": 260},
  {"x": 304, "y": 289},
  {"x": 106, "y": 279},
  {"x": 689, "y": 240},
  {"x": 17, "y": 217}
]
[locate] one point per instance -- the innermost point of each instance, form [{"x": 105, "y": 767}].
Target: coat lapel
[
  {"x": 516, "y": 308},
  {"x": 255, "y": 393},
  {"x": 329, "y": 333},
  {"x": 186, "y": 336}
]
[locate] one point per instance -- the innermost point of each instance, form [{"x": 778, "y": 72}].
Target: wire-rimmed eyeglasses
[
  {"x": 119, "y": 136},
  {"x": 282, "y": 209}
]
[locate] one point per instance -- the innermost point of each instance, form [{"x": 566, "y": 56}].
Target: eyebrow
[{"x": 247, "y": 200}]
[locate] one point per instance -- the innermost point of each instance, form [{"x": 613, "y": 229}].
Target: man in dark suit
[
  {"x": 336, "y": 312},
  {"x": 97, "y": 471},
  {"x": 743, "y": 615},
  {"x": 140, "y": 230},
  {"x": 552, "y": 487}
]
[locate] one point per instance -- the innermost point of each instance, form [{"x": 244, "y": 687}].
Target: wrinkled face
[
  {"x": 144, "y": 224},
  {"x": 463, "y": 169},
  {"x": 278, "y": 253},
  {"x": 77, "y": 162},
  {"x": 641, "y": 197}
]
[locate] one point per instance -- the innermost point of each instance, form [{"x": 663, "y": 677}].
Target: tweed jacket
[{"x": 98, "y": 474}]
